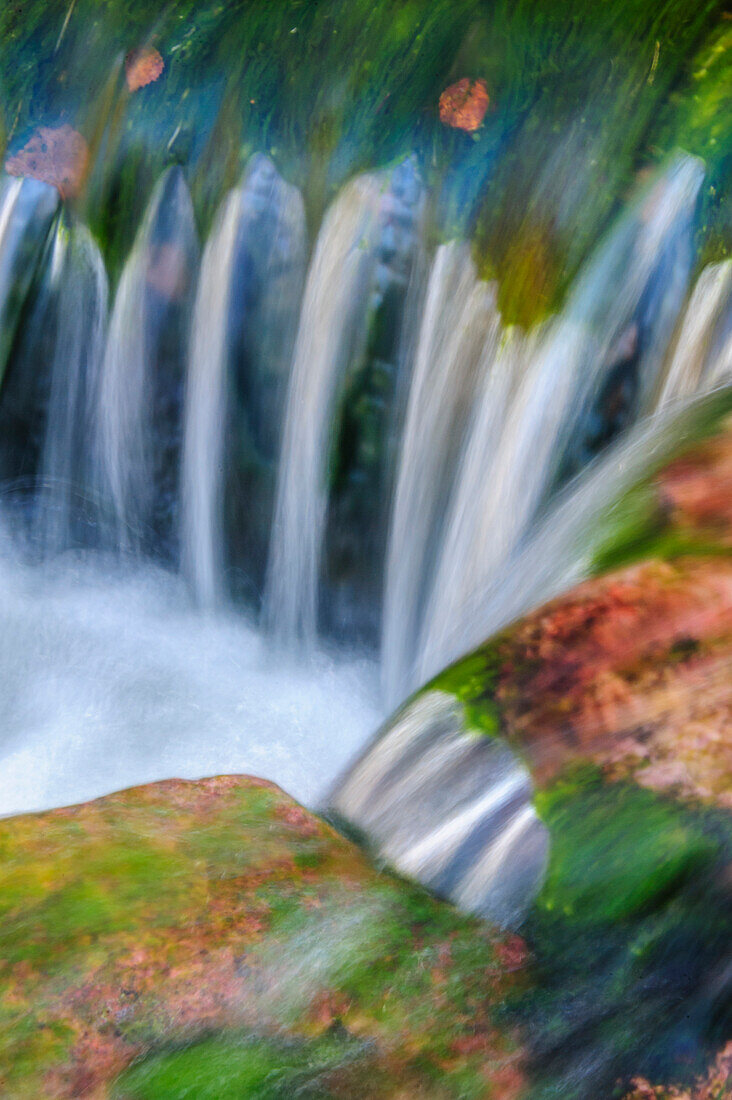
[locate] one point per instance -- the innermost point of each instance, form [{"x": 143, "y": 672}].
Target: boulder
[
  {"x": 215, "y": 936},
  {"x": 572, "y": 779}
]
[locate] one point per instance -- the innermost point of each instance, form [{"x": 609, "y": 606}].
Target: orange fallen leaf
[
  {"x": 463, "y": 105},
  {"x": 143, "y": 67},
  {"x": 57, "y": 155}
]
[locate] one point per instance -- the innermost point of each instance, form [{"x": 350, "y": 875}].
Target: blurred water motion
[
  {"x": 365, "y": 376},
  {"x": 365, "y": 451}
]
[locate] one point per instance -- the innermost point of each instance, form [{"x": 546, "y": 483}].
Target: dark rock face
[
  {"x": 29, "y": 208},
  {"x": 172, "y": 262}
]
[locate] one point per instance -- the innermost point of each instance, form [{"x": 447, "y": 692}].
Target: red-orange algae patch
[
  {"x": 697, "y": 488},
  {"x": 56, "y": 155},
  {"x": 715, "y": 1085},
  {"x": 142, "y": 67},
  {"x": 633, "y": 671},
  {"x": 464, "y": 104}
]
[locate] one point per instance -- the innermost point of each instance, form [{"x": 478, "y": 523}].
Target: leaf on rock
[
  {"x": 143, "y": 67},
  {"x": 463, "y": 105},
  {"x": 56, "y": 155}
]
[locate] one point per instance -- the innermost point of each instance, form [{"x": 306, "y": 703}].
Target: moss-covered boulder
[
  {"x": 214, "y": 939},
  {"x": 601, "y": 723}
]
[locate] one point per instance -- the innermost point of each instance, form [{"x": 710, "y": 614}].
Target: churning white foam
[{"x": 109, "y": 680}]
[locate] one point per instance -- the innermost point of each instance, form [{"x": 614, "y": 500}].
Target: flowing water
[
  {"x": 335, "y": 339},
  {"x": 139, "y": 408},
  {"x": 613, "y": 333},
  {"x": 359, "y": 431},
  {"x": 110, "y": 679},
  {"x": 248, "y": 294},
  {"x": 367, "y": 242},
  {"x": 77, "y": 269},
  {"x": 702, "y": 356}
]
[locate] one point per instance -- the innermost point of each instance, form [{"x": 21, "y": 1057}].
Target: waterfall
[
  {"x": 558, "y": 552},
  {"x": 367, "y": 241},
  {"x": 604, "y": 352},
  {"x": 27, "y": 208},
  {"x": 248, "y": 296},
  {"x": 136, "y": 414},
  {"x": 450, "y": 809},
  {"x": 703, "y": 354},
  {"x": 78, "y": 271},
  {"x": 458, "y": 331},
  {"x": 202, "y": 478},
  {"x": 332, "y": 455}
]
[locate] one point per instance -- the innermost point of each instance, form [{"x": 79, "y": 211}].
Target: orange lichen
[
  {"x": 463, "y": 105},
  {"x": 717, "y": 1085},
  {"x": 56, "y": 155},
  {"x": 143, "y": 67}
]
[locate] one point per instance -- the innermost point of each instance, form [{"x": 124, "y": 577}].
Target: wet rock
[
  {"x": 216, "y": 933},
  {"x": 715, "y": 1085},
  {"x": 615, "y": 701}
]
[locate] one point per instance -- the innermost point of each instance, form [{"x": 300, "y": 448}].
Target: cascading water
[
  {"x": 603, "y": 353},
  {"x": 459, "y": 328},
  {"x": 368, "y": 243},
  {"x": 449, "y": 809},
  {"x": 241, "y": 343},
  {"x": 485, "y": 423},
  {"x": 702, "y": 356},
  {"x": 139, "y": 396},
  {"x": 77, "y": 357}
]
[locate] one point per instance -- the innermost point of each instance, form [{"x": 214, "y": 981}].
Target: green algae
[
  {"x": 229, "y": 1067},
  {"x": 626, "y": 932},
  {"x": 582, "y": 93},
  {"x": 638, "y": 526},
  {"x": 638, "y": 529},
  {"x": 473, "y": 680},
  {"x": 615, "y": 848}
]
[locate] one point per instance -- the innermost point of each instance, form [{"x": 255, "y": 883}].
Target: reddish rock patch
[
  {"x": 56, "y": 155},
  {"x": 716, "y": 1085},
  {"x": 143, "y": 67},
  {"x": 464, "y": 104},
  {"x": 633, "y": 671},
  {"x": 697, "y": 489}
]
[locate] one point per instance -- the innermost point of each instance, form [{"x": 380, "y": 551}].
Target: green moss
[
  {"x": 230, "y": 1067},
  {"x": 472, "y": 681},
  {"x": 614, "y": 849},
  {"x": 25, "y": 1043},
  {"x": 109, "y": 891},
  {"x": 700, "y": 119},
  {"x": 626, "y": 933},
  {"x": 637, "y": 527}
]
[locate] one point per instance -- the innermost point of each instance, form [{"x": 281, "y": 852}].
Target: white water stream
[{"x": 109, "y": 680}]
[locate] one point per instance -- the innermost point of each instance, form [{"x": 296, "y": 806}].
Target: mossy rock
[
  {"x": 217, "y": 937},
  {"x": 584, "y": 94},
  {"x": 616, "y": 699}
]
